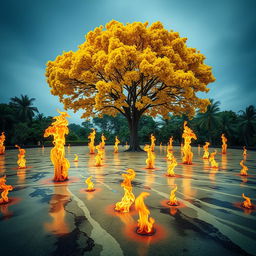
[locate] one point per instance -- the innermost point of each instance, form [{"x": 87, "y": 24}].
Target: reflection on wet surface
[{"x": 46, "y": 218}]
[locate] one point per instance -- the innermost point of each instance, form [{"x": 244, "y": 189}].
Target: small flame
[
  {"x": 170, "y": 156},
  {"x": 212, "y": 161},
  {"x": 247, "y": 203},
  {"x": 173, "y": 200},
  {"x": 103, "y": 138},
  {"x": 244, "y": 152},
  {"x": 6, "y": 188},
  {"x": 99, "y": 156},
  {"x": 145, "y": 223},
  {"x": 76, "y": 158},
  {"x": 2, "y": 140},
  {"x": 170, "y": 171},
  {"x": 91, "y": 143},
  {"x": 206, "y": 152},
  {"x": 153, "y": 144},
  {"x": 21, "y": 158},
  {"x": 244, "y": 169},
  {"x": 170, "y": 147},
  {"x": 90, "y": 184},
  {"x": 128, "y": 198},
  {"x": 150, "y": 161},
  {"x": 59, "y": 128},
  {"x": 224, "y": 143},
  {"x": 117, "y": 141},
  {"x": 187, "y": 135}
]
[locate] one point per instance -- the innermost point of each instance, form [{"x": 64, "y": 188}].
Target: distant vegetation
[{"x": 24, "y": 125}]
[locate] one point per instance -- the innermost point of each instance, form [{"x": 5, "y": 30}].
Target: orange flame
[
  {"x": 244, "y": 152},
  {"x": 99, "y": 156},
  {"x": 173, "y": 200},
  {"x": 76, "y": 158},
  {"x": 247, "y": 203},
  {"x": 170, "y": 147},
  {"x": 150, "y": 161},
  {"x": 206, "y": 152},
  {"x": 170, "y": 171},
  {"x": 91, "y": 143},
  {"x": 6, "y": 188},
  {"x": 153, "y": 144},
  {"x": 224, "y": 143},
  {"x": 2, "y": 140},
  {"x": 187, "y": 135},
  {"x": 21, "y": 158},
  {"x": 244, "y": 169},
  {"x": 90, "y": 184},
  {"x": 128, "y": 198},
  {"x": 116, "y": 145},
  {"x": 145, "y": 224},
  {"x": 212, "y": 161},
  {"x": 59, "y": 128},
  {"x": 169, "y": 156},
  {"x": 103, "y": 138}
]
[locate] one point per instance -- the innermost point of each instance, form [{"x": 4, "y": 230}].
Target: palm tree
[
  {"x": 23, "y": 106},
  {"x": 209, "y": 120},
  {"x": 247, "y": 123}
]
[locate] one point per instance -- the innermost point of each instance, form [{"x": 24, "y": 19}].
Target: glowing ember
[
  {"x": 150, "y": 161},
  {"x": 187, "y": 135},
  {"x": 212, "y": 161},
  {"x": 91, "y": 143},
  {"x": 90, "y": 184},
  {"x": 206, "y": 152},
  {"x": 117, "y": 141},
  {"x": 6, "y": 188},
  {"x": 128, "y": 198},
  {"x": 103, "y": 138},
  {"x": 224, "y": 143},
  {"x": 170, "y": 171},
  {"x": 21, "y": 158},
  {"x": 173, "y": 200},
  {"x": 245, "y": 151},
  {"x": 145, "y": 223},
  {"x": 244, "y": 169},
  {"x": 247, "y": 203},
  {"x": 99, "y": 156},
  {"x": 153, "y": 144},
  {"x": 59, "y": 128},
  {"x": 170, "y": 147},
  {"x": 2, "y": 147},
  {"x": 76, "y": 158}
]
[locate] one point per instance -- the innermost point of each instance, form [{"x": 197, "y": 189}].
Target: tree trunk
[{"x": 134, "y": 139}]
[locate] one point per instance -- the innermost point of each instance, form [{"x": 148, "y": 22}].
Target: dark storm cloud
[{"x": 33, "y": 32}]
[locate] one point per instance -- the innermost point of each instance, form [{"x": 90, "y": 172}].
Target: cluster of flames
[
  {"x": 21, "y": 158},
  {"x": 6, "y": 188},
  {"x": 2, "y": 140}
]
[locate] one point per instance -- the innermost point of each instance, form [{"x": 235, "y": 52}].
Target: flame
[
  {"x": 99, "y": 156},
  {"x": 103, "y": 138},
  {"x": 187, "y": 135},
  {"x": 59, "y": 128},
  {"x": 247, "y": 203},
  {"x": 21, "y": 158},
  {"x": 244, "y": 169},
  {"x": 76, "y": 158},
  {"x": 206, "y": 152},
  {"x": 2, "y": 140},
  {"x": 145, "y": 224},
  {"x": 212, "y": 161},
  {"x": 116, "y": 145},
  {"x": 170, "y": 147},
  {"x": 170, "y": 171},
  {"x": 153, "y": 144},
  {"x": 128, "y": 198},
  {"x": 150, "y": 161},
  {"x": 244, "y": 152},
  {"x": 173, "y": 200},
  {"x": 91, "y": 143},
  {"x": 6, "y": 188},
  {"x": 169, "y": 156},
  {"x": 90, "y": 184},
  {"x": 224, "y": 143}
]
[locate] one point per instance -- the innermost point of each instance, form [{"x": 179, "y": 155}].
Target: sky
[{"x": 35, "y": 31}]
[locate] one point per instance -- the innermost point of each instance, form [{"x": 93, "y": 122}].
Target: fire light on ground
[
  {"x": 244, "y": 169},
  {"x": 145, "y": 223},
  {"x": 59, "y": 128},
  {"x": 173, "y": 200},
  {"x": 90, "y": 184},
  {"x": 224, "y": 143},
  {"x": 247, "y": 203},
  {"x": 153, "y": 144},
  {"x": 170, "y": 170},
  {"x": 103, "y": 139},
  {"x": 2, "y": 140},
  {"x": 91, "y": 137},
  {"x": 150, "y": 161},
  {"x": 169, "y": 146},
  {"x": 117, "y": 141},
  {"x": 206, "y": 152},
  {"x": 99, "y": 156},
  {"x": 128, "y": 198},
  {"x": 6, "y": 188},
  {"x": 187, "y": 135},
  {"x": 21, "y": 158},
  {"x": 76, "y": 158},
  {"x": 212, "y": 160}
]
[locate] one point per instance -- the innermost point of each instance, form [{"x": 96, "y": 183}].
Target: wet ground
[{"x": 46, "y": 218}]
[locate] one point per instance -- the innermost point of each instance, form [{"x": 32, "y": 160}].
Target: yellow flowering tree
[{"x": 132, "y": 69}]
